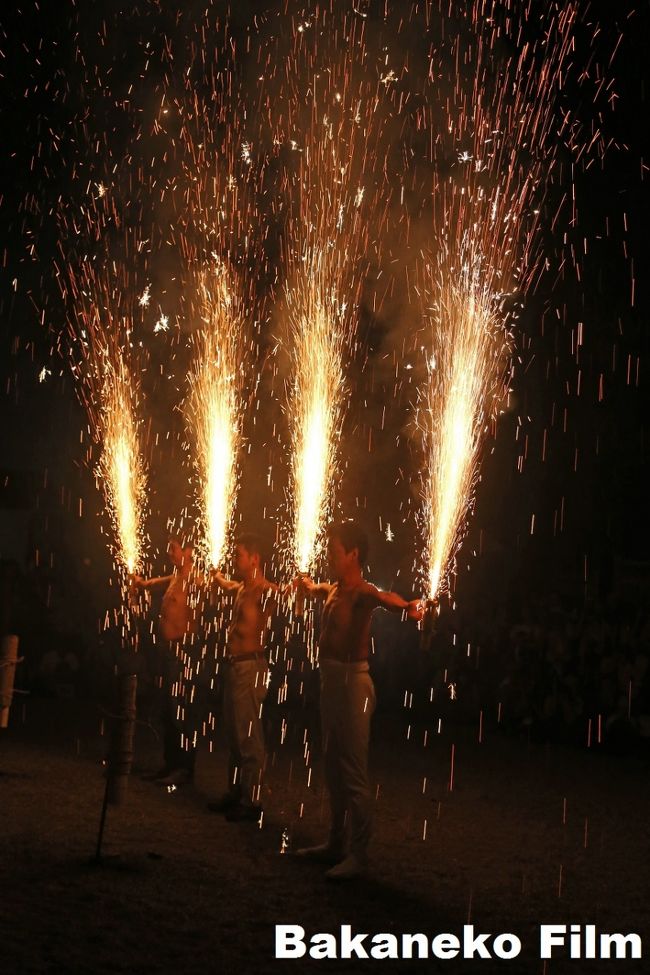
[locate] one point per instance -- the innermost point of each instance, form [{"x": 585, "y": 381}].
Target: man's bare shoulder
[
  {"x": 362, "y": 595},
  {"x": 368, "y": 592}
]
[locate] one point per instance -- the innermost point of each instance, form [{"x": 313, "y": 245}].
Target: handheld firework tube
[
  {"x": 299, "y": 598},
  {"x": 8, "y": 661},
  {"x": 431, "y": 613}
]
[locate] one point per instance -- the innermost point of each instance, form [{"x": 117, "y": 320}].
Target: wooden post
[
  {"x": 8, "y": 661},
  {"x": 120, "y": 754}
]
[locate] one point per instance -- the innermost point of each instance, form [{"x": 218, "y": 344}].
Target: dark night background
[{"x": 596, "y": 463}]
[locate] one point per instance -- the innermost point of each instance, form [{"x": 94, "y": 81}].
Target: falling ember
[{"x": 214, "y": 406}]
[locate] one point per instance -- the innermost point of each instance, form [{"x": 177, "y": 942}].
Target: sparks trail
[
  {"x": 121, "y": 464},
  {"x": 217, "y": 230},
  {"x": 106, "y": 366},
  {"x": 325, "y": 123},
  {"x": 464, "y": 380},
  {"x": 214, "y": 408},
  {"x": 498, "y": 144}
]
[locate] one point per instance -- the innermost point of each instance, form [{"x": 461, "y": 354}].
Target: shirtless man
[
  {"x": 347, "y": 695},
  {"x": 177, "y": 629},
  {"x": 246, "y": 680}
]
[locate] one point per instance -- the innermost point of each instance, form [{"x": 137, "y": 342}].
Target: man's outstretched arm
[
  {"x": 139, "y": 583},
  {"x": 220, "y": 581},
  {"x": 306, "y": 586},
  {"x": 395, "y": 603}
]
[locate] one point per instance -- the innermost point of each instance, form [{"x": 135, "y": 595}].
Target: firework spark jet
[
  {"x": 214, "y": 406},
  {"x": 501, "y": 129},
  {"x": 106, "y": 364},
  {"x": 316, "y": 403},
  {"x": 465, "y": 373},
  {"x": 329, "y": 123},
  {"x": 121, "y": 466}
]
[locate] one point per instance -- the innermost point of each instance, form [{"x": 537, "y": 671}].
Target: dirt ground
[{"x": 529, "y": 834}]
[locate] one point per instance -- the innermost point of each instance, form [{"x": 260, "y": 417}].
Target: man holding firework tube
[
  {"x": 347, "y": 694},
  {"x": 177, "y": 629},
  {"x": 245, "y": 680}
]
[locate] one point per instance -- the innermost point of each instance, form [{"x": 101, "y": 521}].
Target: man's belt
[{"x": 233, "y": 658}]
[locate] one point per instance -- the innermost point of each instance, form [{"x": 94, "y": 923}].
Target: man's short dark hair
[
  {"x": 350, "y": 535},
  {"x": 251, "y": 542}
]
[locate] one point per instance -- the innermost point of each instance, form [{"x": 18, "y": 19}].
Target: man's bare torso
[
  {"x": 345, "y": 631},
  {"x": 251, "y": 611},
  {"x": 176, "y": 613}
]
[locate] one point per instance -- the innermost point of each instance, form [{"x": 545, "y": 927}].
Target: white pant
[
  {"x": 347, "y": 704},
  {"x": 245, "y": 687}
]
